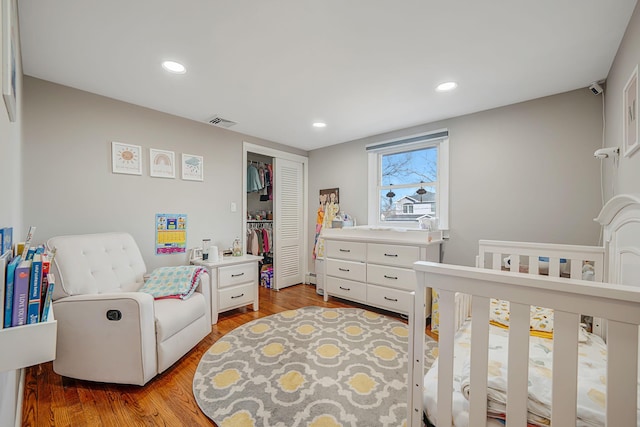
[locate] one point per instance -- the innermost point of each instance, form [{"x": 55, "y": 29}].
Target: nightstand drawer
[
  {"x": 353, "y": 251},
  {"x": 237, "y": 274},
  {"x": 349, "y": 289},
  {"x": 236, "y": 296},
  {"x": 397, "y": 255},
  {"x": 391, "y": 299},
  {"x": 400, "y": 278},
  {"x": 347, "y": 269}
]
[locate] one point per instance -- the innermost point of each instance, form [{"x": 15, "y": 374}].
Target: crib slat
[
  {"x": 576, "y": 269},
  {"x": 497, "y": 261},
  {"x": 445, "y": 358},
  {"x": 515, "y": 263},
  {"x": 518, "y": 359},
  {"x": 479, "y": 359},
  {"x": 534, "y": 265},
  {"x": 554, "y": 267},
  {"x": 565, "y": 368},
  {"x": 622, "y": 371}
]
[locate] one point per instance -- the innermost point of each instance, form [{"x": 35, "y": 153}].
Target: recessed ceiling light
[
  {"x": 446, "y": 86},
  {"x": 174, "y": 67},
  {"x": 319, "y": 125}
]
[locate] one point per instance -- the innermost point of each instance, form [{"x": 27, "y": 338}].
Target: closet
[{"x": 275, "y": 214}]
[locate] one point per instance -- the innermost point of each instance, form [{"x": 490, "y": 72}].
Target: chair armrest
[
  {"x": 204, "y": 287},
  {"x": 106, "y": 337}
]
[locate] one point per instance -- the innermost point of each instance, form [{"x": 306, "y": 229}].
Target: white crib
[{"x": 618, "y": 260}]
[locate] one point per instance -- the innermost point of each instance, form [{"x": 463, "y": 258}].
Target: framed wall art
[
  {"x": 126, "y": 158},
  {"x": 630, "y": 115},
  {"x": 9, "y": 51},
  {"x": 162, "y": 164},
  {"x": 192, "y": 167}
]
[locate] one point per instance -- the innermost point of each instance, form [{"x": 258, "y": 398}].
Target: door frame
[{"x": 248, "y": 147}]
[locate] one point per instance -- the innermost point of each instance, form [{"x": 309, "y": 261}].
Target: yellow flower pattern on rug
[{"x": 314, "y": 367}]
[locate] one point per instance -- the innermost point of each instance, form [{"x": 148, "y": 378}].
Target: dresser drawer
[
  {"x": 397, "y": 255},
  {"x": 400, "y": 278},
  {"x": 354, "y": 251},
  {"x": 391, "y": 299},
  {"x": 236, "y": 296},
  {"x": 351, "y": 270},
  {"x": 236, "y": 274},
  {"x": 348, "y": 289}
]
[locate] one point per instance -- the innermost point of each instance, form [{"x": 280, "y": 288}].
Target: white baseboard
[
  {"x": 20, "y": 398},
  {"x": 311, "y": 278}
]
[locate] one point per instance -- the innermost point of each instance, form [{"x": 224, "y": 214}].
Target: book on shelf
[
  {"x": 47, "y": 300},
  {"x": 6, "y": 239},
  {"x": 5, "y": 258},
  {"x": 27, "y": 242},
  {"x": 8, "y": 294},
  {"x": 46, "y": 267},
  {"x": 21, "y": 293},
  {"x": 35, "y": 283}
]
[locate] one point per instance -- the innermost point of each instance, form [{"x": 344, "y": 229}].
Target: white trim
[
  {"x": 407, "y": 141},
  {"x": 442, "y": 189},
  {"x": 272, "y": 152}
]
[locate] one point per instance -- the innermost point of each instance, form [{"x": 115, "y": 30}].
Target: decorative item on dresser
[
  {"x": 374, "y": 266},
  {"x": 234, "y": 282}
]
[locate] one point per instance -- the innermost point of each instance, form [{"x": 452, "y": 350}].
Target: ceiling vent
[{"x": 220, "y": 122}]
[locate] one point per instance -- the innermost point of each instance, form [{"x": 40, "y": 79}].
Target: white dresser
[
  {"x": 374, "y": 266},
  {"x": 234, "y": 283}
]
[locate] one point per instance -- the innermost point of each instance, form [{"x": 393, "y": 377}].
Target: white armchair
[{"x": 107, "y": 330}]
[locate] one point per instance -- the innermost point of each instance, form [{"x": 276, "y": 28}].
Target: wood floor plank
[{"x": 167, "y": 400}]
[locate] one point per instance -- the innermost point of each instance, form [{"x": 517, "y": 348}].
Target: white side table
[{"x": 234, "y": 283}]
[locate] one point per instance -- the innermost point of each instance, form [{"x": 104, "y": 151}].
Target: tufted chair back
[{"x": 96, "y": 263}]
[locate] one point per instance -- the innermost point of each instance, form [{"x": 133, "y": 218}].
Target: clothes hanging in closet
[{"x": 259, "y": 240}]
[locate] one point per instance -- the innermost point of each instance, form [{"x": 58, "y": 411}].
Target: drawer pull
[
  {"x": 238, "y": 296},
  {"x": 392, "y": 255},
  {"x": 345, "y": 289},
  {"x": 237, "y": 275},
  {"x": 391, "y": 299},
  {"x": 345, "y": 250},
  {"x": 343, "y": 269},
  {"x": 390, "y": 277}
]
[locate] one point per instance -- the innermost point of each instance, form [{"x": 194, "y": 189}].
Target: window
[{"x": 409, "y": 180}]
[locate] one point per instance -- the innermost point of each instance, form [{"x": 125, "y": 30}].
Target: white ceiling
[{"x": 363, "y": 66}]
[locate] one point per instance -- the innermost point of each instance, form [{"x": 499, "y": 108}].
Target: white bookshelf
[{"x": 27, "y": 345}]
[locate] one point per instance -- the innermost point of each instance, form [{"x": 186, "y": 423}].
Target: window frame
[{"x": 439, "y": 139}]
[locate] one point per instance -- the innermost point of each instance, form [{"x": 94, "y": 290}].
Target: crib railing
[{"x": 569, "y": 298}]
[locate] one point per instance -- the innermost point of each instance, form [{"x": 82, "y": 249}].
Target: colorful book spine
[
  {"x": 8, "y": 297},
  {"x": 47, "y": 301},
  {"x": 46, "y": 267},
  {"x": 35, "y": 283},
  {"x": 21, "y": 293}
]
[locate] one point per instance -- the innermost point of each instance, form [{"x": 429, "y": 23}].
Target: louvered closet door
[{"x": 288, "y": 219}]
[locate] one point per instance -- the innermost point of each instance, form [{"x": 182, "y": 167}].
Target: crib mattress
[{"x": 591, "y": 385}]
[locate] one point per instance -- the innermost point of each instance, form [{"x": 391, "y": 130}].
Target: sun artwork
[{"x": 127, "y": 156}]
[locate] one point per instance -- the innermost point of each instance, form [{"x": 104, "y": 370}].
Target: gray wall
[
  {"x": 70, "y": 188},
  {"x": 624, "y": 178},
  {"x": 522, "y": 172}
]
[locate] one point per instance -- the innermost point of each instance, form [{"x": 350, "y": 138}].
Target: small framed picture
[
  {"x": 162, "y": 164},
  {"x": 192, "y": 167},
  {"x": 630, "y": 115},
  {"x": 126, "y": 158}
]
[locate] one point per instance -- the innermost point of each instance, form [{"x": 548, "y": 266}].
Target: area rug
[{"x": 314, "y": 366}]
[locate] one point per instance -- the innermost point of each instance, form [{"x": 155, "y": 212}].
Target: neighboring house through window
[{"x": 409, "y": 180}]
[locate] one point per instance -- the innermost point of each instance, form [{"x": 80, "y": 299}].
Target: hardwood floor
[{"x": 167, "y": 400}]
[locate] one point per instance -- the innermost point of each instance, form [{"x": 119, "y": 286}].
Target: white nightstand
[{"x": 234, "y": 283}]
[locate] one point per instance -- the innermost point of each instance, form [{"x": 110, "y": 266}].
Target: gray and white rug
[{"x": 314, "y": 366}]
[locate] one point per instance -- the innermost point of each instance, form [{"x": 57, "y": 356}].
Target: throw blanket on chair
[{"x": 173, "y": 282}]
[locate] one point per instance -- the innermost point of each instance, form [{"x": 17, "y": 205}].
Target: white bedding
[{"x": 591, "y": 385}]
